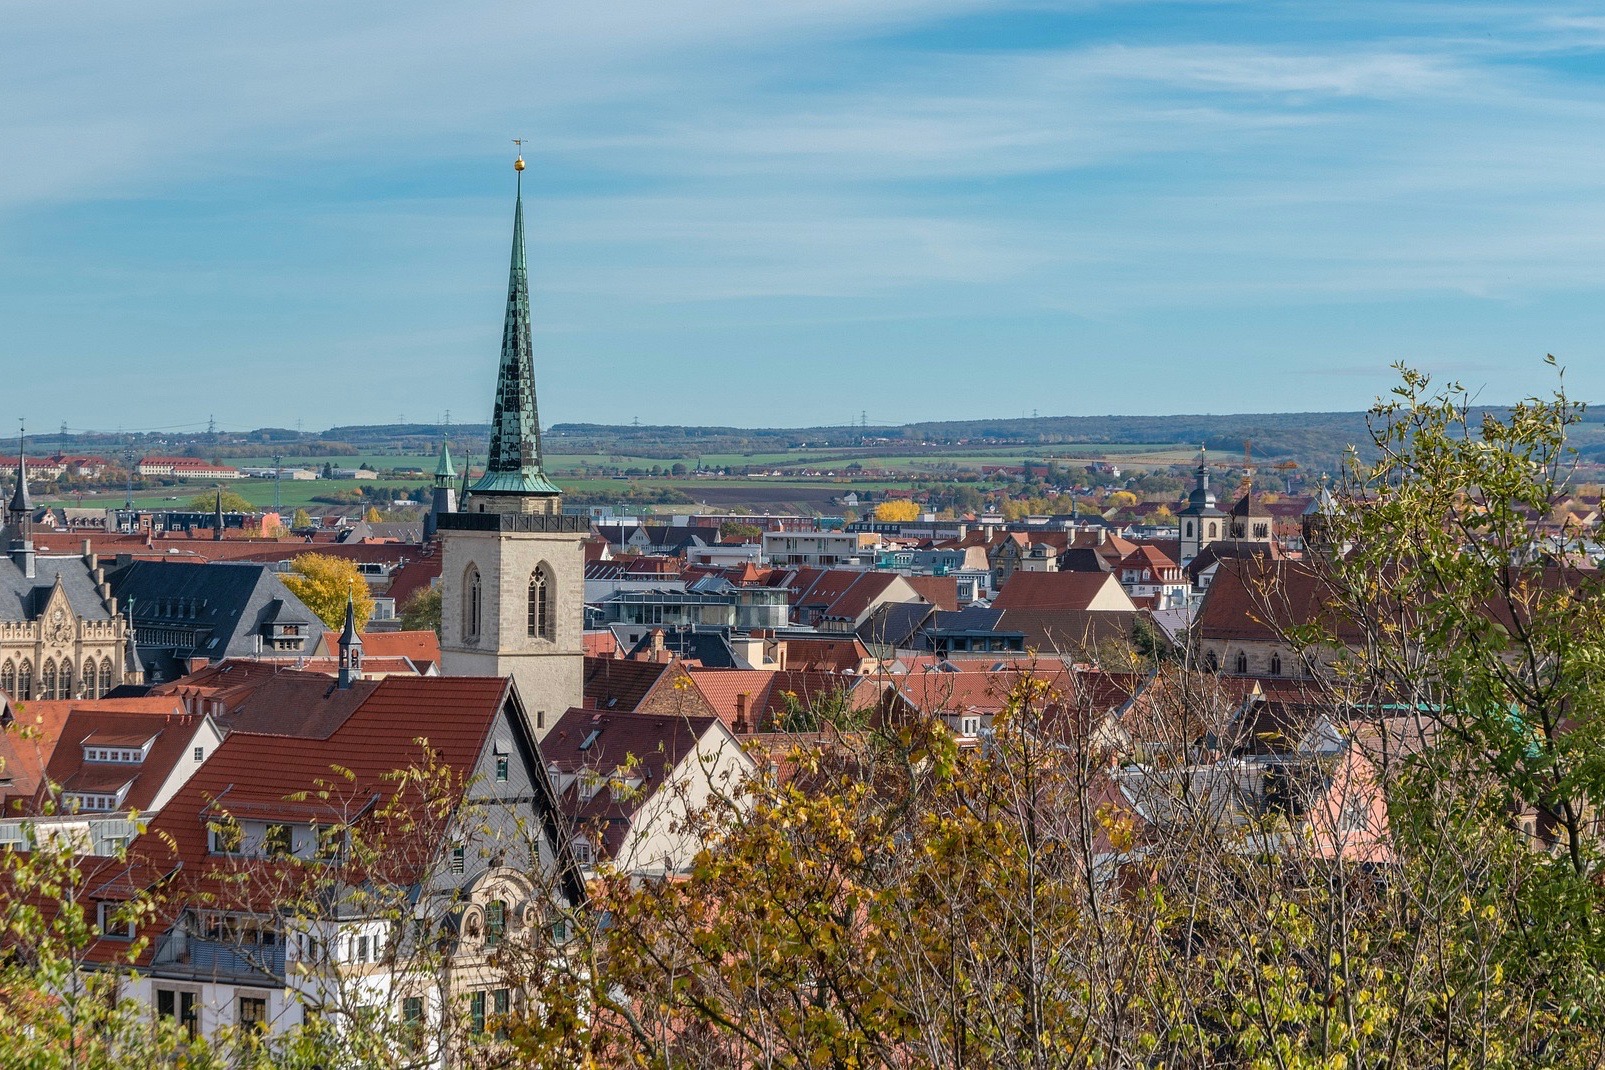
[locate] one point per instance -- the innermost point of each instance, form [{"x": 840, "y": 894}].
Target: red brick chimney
[{"x": 742, "y": 725}]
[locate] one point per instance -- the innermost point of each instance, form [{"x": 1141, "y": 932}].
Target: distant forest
[{"x": 1315, "y": 440}]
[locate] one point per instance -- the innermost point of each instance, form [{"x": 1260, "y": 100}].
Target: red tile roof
[
  {"x": 1053, "y": 590},
  {"x": 252, "y": 775},
  {"x": 941, "y": 591},
  {"x": 1256, "y": 599},
  {"x": 860, "y": 595},
  {"x": 162, "y": 722},
  {"x": 600, "y": 644},
  {"x": 765, "y": 696},
  {"x": 23, "y": 760},
  {"x": 825, "y": 655},
  {"x": 621, "y": 685},
  {"x": 422, "y": 647},
  {"x": 416, "y": 575},
  {"x": 642, "y": 746}
]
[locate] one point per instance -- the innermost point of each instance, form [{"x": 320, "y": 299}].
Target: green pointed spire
[
  {"x": 514, "y": 463},
  {"x": 444, "y": 472}
]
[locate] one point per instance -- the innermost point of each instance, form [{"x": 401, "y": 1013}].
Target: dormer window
[
  {"x": 86, "y": 802},
  {"x": 116, "y": 755},
  {"x": 112, "y": 922}
]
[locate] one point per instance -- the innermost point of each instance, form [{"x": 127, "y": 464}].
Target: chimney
[
  {"x": 741, "y": 726},
  {"x": 657, "y": 651}
]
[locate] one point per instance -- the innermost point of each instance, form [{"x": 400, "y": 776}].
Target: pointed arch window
[
  {"x": 473, "y": 603},
  {"x": 1276, "y": 664},
  {"x": 87, "y": 688},
  {"x": 1209, "y": 661},
  {"x": 64, "y": 689},
  {"x": 541, "y": 619},
  {"x": 47, "y": 680},
  {"x": 1242, "y": 663},
  {"x": 1189, "y": 529},
  {"x": 8, "y": 678},
  {"x": 107, "y": 681},
  {"x": 25, "y": 679}
]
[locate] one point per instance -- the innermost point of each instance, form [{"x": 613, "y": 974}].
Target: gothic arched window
[
  {"x": 25, "y": 679},
  {"x": 8, "y": 679},
  {"x": 1209, "y": 661},
  {"x": 1189, "y": 529},
  {"x": 64, "y": 688},
  {"x": 87, "y": 688},
  {"x": 106, "y": 676},
  {"x": 540, "y": 603},
  {"x": 473, "y": 603},
  {"x": 1276, "y": 664},
  {"x": 1242, "y": 662},
  {"x": 47, "y": 680},
  {"x": 1212, "y": 529}
]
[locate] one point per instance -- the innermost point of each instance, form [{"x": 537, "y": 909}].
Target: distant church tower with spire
[{"x": 512, "y": 565}]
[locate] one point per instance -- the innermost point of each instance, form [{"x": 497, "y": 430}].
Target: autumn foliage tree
[
  {"x": 324, "y": 582},
  {"x": 897, "y": 510}
]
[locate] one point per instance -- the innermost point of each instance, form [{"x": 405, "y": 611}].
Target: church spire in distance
[{"x": 513, "y": 466}]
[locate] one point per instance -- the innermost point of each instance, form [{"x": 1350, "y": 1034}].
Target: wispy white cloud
[{"x": 719, "y": 166}]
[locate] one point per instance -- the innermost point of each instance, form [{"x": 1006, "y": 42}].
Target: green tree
[
  {"x": 736, "y": 531},
  {"x": 324, "y": 582},
  {"x": 301, "y": 520},
  {"x": 232, "y": 503},
  {"x": 422, "y": 611}
]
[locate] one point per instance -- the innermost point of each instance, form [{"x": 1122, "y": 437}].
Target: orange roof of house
[
  {"x": 420, "y": 646},
  {"x": 600, "y": 644}
]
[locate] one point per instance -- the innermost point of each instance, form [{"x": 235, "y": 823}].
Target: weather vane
[{"x": 518, "y": 164}]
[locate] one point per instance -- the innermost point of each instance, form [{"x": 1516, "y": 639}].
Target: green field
[
  {"x": 575, "y": 472},
  {"x": 259, "y": 492}
]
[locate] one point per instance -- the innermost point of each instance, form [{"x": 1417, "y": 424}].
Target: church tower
[
  {"x": 512, "y": 565},
  {"x": 19, "y": 516},
  {"x": 444, "y": 497},
  {"x": 1201, "y": 522}
]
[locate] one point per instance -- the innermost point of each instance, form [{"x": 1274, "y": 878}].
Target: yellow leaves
[{"x": 324, "y": 582}]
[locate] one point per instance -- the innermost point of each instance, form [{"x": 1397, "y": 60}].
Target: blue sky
[{"x": 785, "y": 212}]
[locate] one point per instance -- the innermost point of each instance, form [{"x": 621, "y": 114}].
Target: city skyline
[{"x": 971, "y": 210}]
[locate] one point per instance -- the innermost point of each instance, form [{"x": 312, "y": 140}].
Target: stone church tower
[
  {"x": 513, "y": 566},
  {"x": 1201, "y": 521}
]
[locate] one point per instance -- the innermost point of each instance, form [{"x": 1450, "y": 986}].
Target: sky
[{"x": 793, "y": 212}]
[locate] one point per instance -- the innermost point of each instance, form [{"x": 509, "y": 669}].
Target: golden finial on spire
[{"x": 518, "y": 164}]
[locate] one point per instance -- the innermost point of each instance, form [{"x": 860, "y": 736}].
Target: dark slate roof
[
  {"x": 968, "y": 619},
  {"x": 895, "y": 624},
  {"x": 408, "y": 531},
  {"x": 1084, "y": 559},
  {"x": 21, "y": 598},
  {"x": 227, "y": 604},
  {"x": 710, "y": 646}
]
